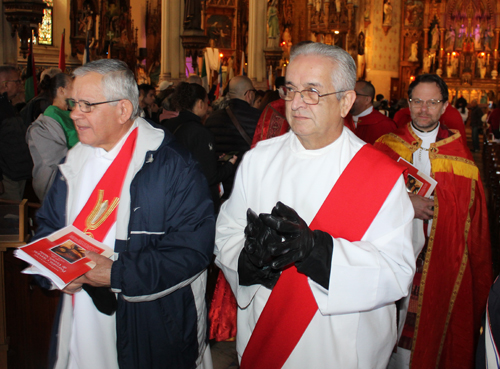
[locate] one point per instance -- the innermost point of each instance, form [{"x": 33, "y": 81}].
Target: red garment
[
  {"x": 371, "y": 126},
  {"x": 457, "y": 270},
  {"x": 272, "y": 122},
  {"x": 222, "y": 314},
  {"x": 494, "y": 119}
]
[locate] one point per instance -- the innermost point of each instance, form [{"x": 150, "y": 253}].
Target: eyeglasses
[
  {"x": 358, "y": 94},
  {"x": 85, "y": 106},
  {"x": 309, "y": 96},
  {"x": 430, "y": 104}
]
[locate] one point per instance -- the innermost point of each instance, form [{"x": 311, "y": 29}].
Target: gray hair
[
  {"x": 7, "y": 69},
  {"x": 344, "y": 75},
  {"x": 118, "y": 81}
]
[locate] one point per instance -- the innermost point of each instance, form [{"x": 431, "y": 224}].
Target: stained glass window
[{"x": 45, "y": 28}]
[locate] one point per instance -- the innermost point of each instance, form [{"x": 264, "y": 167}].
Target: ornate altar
[
  {"x": 456, "y": 39},
  {"x": 107, "y": 27},
  {"x": 332, "y": 22}
]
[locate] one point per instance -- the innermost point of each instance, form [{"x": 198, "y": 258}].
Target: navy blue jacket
[{"x": 170, "y": 242}]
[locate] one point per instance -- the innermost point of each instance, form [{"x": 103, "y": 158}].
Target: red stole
[
  {"x": 352, "y": 204},
  {"x": 99, "y": 213}
]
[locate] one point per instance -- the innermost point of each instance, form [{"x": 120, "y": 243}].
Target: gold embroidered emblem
[{"x": 101, "y": 211}]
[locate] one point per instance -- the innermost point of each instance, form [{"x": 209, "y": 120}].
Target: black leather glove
[
  {"x": 254, "y": 263},
  {"x": 311, "y": 251}
]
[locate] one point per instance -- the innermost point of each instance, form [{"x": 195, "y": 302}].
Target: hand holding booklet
[
  {"x": 60, "y": 257},
  {"x": 418, "y": 182}
]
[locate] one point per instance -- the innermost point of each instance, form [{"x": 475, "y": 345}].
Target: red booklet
[
  {"x": 418, "y": 182},
  {"x": 61, "y": 256}
]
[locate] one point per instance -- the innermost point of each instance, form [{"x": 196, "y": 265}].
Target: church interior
[{"x": 391, "y": 41}]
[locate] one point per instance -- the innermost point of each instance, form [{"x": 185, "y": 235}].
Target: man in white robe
[{"x": 354, "y": 283}]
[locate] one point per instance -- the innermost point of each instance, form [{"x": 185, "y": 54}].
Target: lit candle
[
  {"x": 488, "y": 59},
  {"x": 448, "y": 58}
]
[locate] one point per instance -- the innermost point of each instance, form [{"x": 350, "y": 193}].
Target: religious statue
[
  {"x": 367, "y": 11},
  {"x": 461, "y": 37},
  {"x": 86, "y": 22},
  {"x": 387, "y": 14},
  {"x": 477, "y": 37},
  {"x": 413, "y": 52},
  {"x": 449, "y": 70},
  {"x": 361, "y": 43},
  {"x": 287, "y": 43},
  {"x": 450, "y": 39},
  {"x": 481, "y": 67},
  {"x": 338, "y": 5},
  {"x": 427, "y": 63},
  {"x": 435, "y": 37},
  {"x": 273, "y": 27},
  {"x": 192, "y": 14},
  {"x": 454, "y": 64},
  {"x": 488, "y": 36}
]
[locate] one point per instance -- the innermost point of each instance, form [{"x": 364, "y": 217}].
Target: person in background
[
  {"x": 15, "y": 160},
  {"x": 378, "y": 100},
  {"x": 461, "y": 106},
  {"x": 234, "y": 125},
  {"x": 259, "y": 95},
  {"x": 494, "y": 122},
  {"x": 191, "y": 100},
  {"x": 369, "y": 124},
  {"x": 147, "y": 95},
  {"x": 440, "y": 320},
  {"x": 476, "y": 123},
  {"x": 40, "y": 102},
  {"x": 51, "y": 135}
]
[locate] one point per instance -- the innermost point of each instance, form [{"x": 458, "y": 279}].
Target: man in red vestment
[
  {"x": 451, "y": 118},
  {"x": 369, "y": 124},
  {"x": 451, "y": 236}
]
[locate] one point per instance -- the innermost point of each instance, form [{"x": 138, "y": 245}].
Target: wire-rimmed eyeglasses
[
  {"x": 430, "y": 104},
  {"x": 85, "y": 106},
  {"x": 309, "y": 96}
]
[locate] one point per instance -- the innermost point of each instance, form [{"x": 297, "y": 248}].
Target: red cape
[
  {"x": 457, "y": 272},
  {"x": 371, "y": 126},
  {"x": 272, "y": 122}
]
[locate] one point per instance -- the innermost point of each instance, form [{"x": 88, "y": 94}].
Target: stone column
[
  {"x": 172, "y": 52},
  {"x": 257, "y": 36},
  {"x": 8, "y": 51}
]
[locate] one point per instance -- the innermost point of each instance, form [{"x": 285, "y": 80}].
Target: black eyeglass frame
[
  {"x": 282, "y": 95},
  {"x": 72, "y": 104}
]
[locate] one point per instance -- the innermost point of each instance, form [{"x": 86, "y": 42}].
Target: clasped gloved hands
[
  {"x": 284, "y": 238},
  {"x": 254, "y": 263}
]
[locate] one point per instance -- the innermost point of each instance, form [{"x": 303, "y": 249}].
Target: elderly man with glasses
[
  {"x": 315, "y": 239},
  {"x": 369, "y": 124},
  {"x": 15, "y": 159},
  {"x": 132, "y": 187},
  {"x": 440, "y": 320}
]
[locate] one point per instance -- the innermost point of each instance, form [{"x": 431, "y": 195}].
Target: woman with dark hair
[
  {"x": 51, "y": 135},
  {"x": 191, "y": 100},
  {"x": 461, "y": 106}
]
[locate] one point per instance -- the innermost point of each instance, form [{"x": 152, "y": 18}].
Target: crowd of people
[{"x": 301, "y": 195}]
